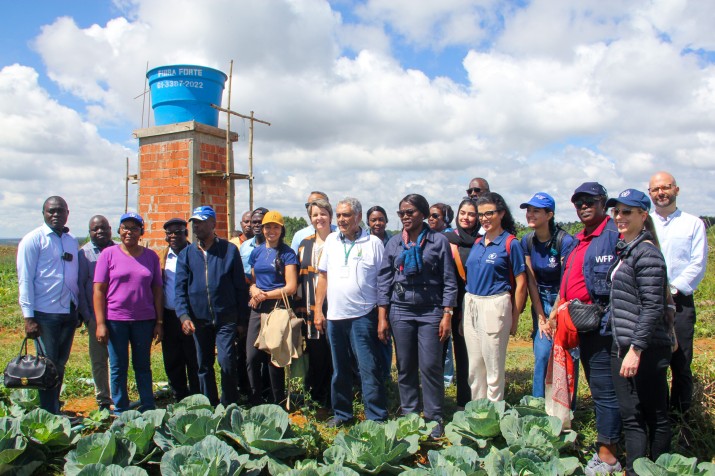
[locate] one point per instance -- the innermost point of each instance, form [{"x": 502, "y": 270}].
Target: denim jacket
[{"x": 436, "y": 286}]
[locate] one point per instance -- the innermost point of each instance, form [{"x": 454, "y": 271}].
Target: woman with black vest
[
  {"x": 310, "y": 250},
  {"x": 641, "y": 350}
]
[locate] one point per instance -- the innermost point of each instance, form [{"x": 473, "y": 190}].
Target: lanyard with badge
[{"x": 345, "y": 269}]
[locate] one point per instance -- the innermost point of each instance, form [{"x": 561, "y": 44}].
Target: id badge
[{"x": 344, "y": 272}]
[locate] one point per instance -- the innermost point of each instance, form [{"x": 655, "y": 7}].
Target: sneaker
[
  {"x": 437, "y": 432},
  {"x": 337, "y": 423},
  {"x": 597, "y": 466}
]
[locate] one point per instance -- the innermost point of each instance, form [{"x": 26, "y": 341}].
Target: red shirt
[{"x": 573, "y": 284}]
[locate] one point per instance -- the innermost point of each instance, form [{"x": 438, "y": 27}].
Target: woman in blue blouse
[
  {"x": 274, "y": 269},
  {"x": 496, "y": 294},
  {"x": 418, "y": 285},
  {"x": 544, "y": 247}
]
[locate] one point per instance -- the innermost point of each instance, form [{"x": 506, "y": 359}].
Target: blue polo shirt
[
  {"x": 263, "y": 262},
  {"x": 488, "y": 266},
  {"x": 546, "y": 263}
]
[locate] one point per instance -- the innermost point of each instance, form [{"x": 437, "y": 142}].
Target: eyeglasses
[
  {"x": 307, "y": 205},
  {"x": 487, "y": 215},
  {"x": 473, "y": 190},
  {"x": 589, "y": 202},
  {"x": 178, "y": 232},
  {"x": 406, "y": 213},
  {"x": 133, "y": 229},
  {"x": 435, "y": 216},
  {"x": 662, "y": 188},
  {"x": 624, "y": 212}
]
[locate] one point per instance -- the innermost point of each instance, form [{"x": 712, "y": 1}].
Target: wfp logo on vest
[
  {"x": 604, "y": 259},
  {"x": 491, "y": 258}
]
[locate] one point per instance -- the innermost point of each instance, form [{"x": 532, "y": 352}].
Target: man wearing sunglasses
[
  {"x": 177, "y": 348},
  {"x": 585, "y": 271},
  {"x": 685, "y": 248},
  {"x": 477, "y": 187}
]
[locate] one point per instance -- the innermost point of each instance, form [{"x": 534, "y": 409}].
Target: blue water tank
[{"x": 185, "y": 92}]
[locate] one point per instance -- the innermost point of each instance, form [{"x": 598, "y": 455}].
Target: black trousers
[
  {"x": 461, "y": 361},
  {"x": 256, "y": 360},
  {"x": 179, "y": 353},
  {"x": 643, "y": 404},
  {"x": 681, "y": 392},
  {"x": 320, "y": 370}
]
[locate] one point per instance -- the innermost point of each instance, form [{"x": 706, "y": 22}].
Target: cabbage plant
[
  {"x": 111, "y": 470},
  {"x": 535, "y": 431},
  {"x": 186, "y": 429},
  {"x": 261, "y": 430},
  {"x": 450, "y": 461},
  {"x": 99, "y": 448},
  {"x": 48, "y": 432},
  {"x": 210, "y": 457},
  {"x": 15, "y": 456},
  {"x": 669, "y": 464},
  {"x": 477, "y": 424},
  {"x": 372, "y": 448}
]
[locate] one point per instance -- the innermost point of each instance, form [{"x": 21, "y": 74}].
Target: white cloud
[
  {"x": 47, "y": 149},
  {"x": 564, "y": 95}
]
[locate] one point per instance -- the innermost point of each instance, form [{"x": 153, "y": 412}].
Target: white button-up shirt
[
  {"x": 46, "y": 282},
  {"x": 685, "y": 248}
]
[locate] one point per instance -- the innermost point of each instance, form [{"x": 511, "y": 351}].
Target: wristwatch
[{"x": 450, "y": 312}]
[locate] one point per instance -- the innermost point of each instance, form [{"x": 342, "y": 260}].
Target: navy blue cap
[
  {"x": 632, "y": 198},
  {"x": 541, "y": 200},
  {"x": 132, "y": 216},
  {"x": 203, "y": 213},
  {"x": 590, "y": 188}
]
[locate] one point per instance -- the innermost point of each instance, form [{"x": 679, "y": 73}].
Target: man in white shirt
[
  {"x": 348, "y": 276},
  {"x": 178, "y": 350},
  {"x": 685, "y": 247},
  {"x": 304, "y": 233},
  {"x": 47, "y": 275}
]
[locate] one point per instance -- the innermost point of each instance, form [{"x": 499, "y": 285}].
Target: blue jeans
[
  {"x": 57, "y": 332},
  {"x": 212, "y": 341},
  {"x": 361, "y": 335},
  {"x": 139, "y": 335},
  {"x": 542, "y": 343},
  {"x": 596, "y": 359}
]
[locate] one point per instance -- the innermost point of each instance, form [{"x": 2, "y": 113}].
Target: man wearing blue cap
[
  {"x": 47, "y": 273},
  {"x": 685, "y": 248},
  {"x": 211, "y": 301}
]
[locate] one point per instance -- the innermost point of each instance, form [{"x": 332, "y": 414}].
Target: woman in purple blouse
[{"x": 128, "y": 303}]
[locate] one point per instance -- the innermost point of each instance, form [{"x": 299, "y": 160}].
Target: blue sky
[{"x": 374, "y": 99}]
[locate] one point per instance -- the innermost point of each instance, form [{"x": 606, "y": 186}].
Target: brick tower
[{"x": 182, "y": 166}]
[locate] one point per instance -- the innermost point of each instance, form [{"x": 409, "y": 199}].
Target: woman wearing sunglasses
[
  {"x": 461, "y": 241},
  {"x": 544, "y": 247},
  {"x": 440, "y": 217},
  {"x": 641, "y": 350},
  {"x": 496, "y": 295},
  {"x": 418, "y": 286},
  {"x": 274, "y": 272}
]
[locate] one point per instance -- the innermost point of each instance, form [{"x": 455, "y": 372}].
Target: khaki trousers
[{"x": 487, "y": 321}]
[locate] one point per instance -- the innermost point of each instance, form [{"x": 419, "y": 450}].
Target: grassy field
[{"x": 79, "y": 393}]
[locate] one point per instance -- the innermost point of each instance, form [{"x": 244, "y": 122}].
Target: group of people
[{"x": 433, "y": 287}]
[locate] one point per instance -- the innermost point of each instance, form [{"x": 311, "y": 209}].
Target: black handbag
[
  {"x": 31, "y": 371},
  {"x": 585, "y": 317}
]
